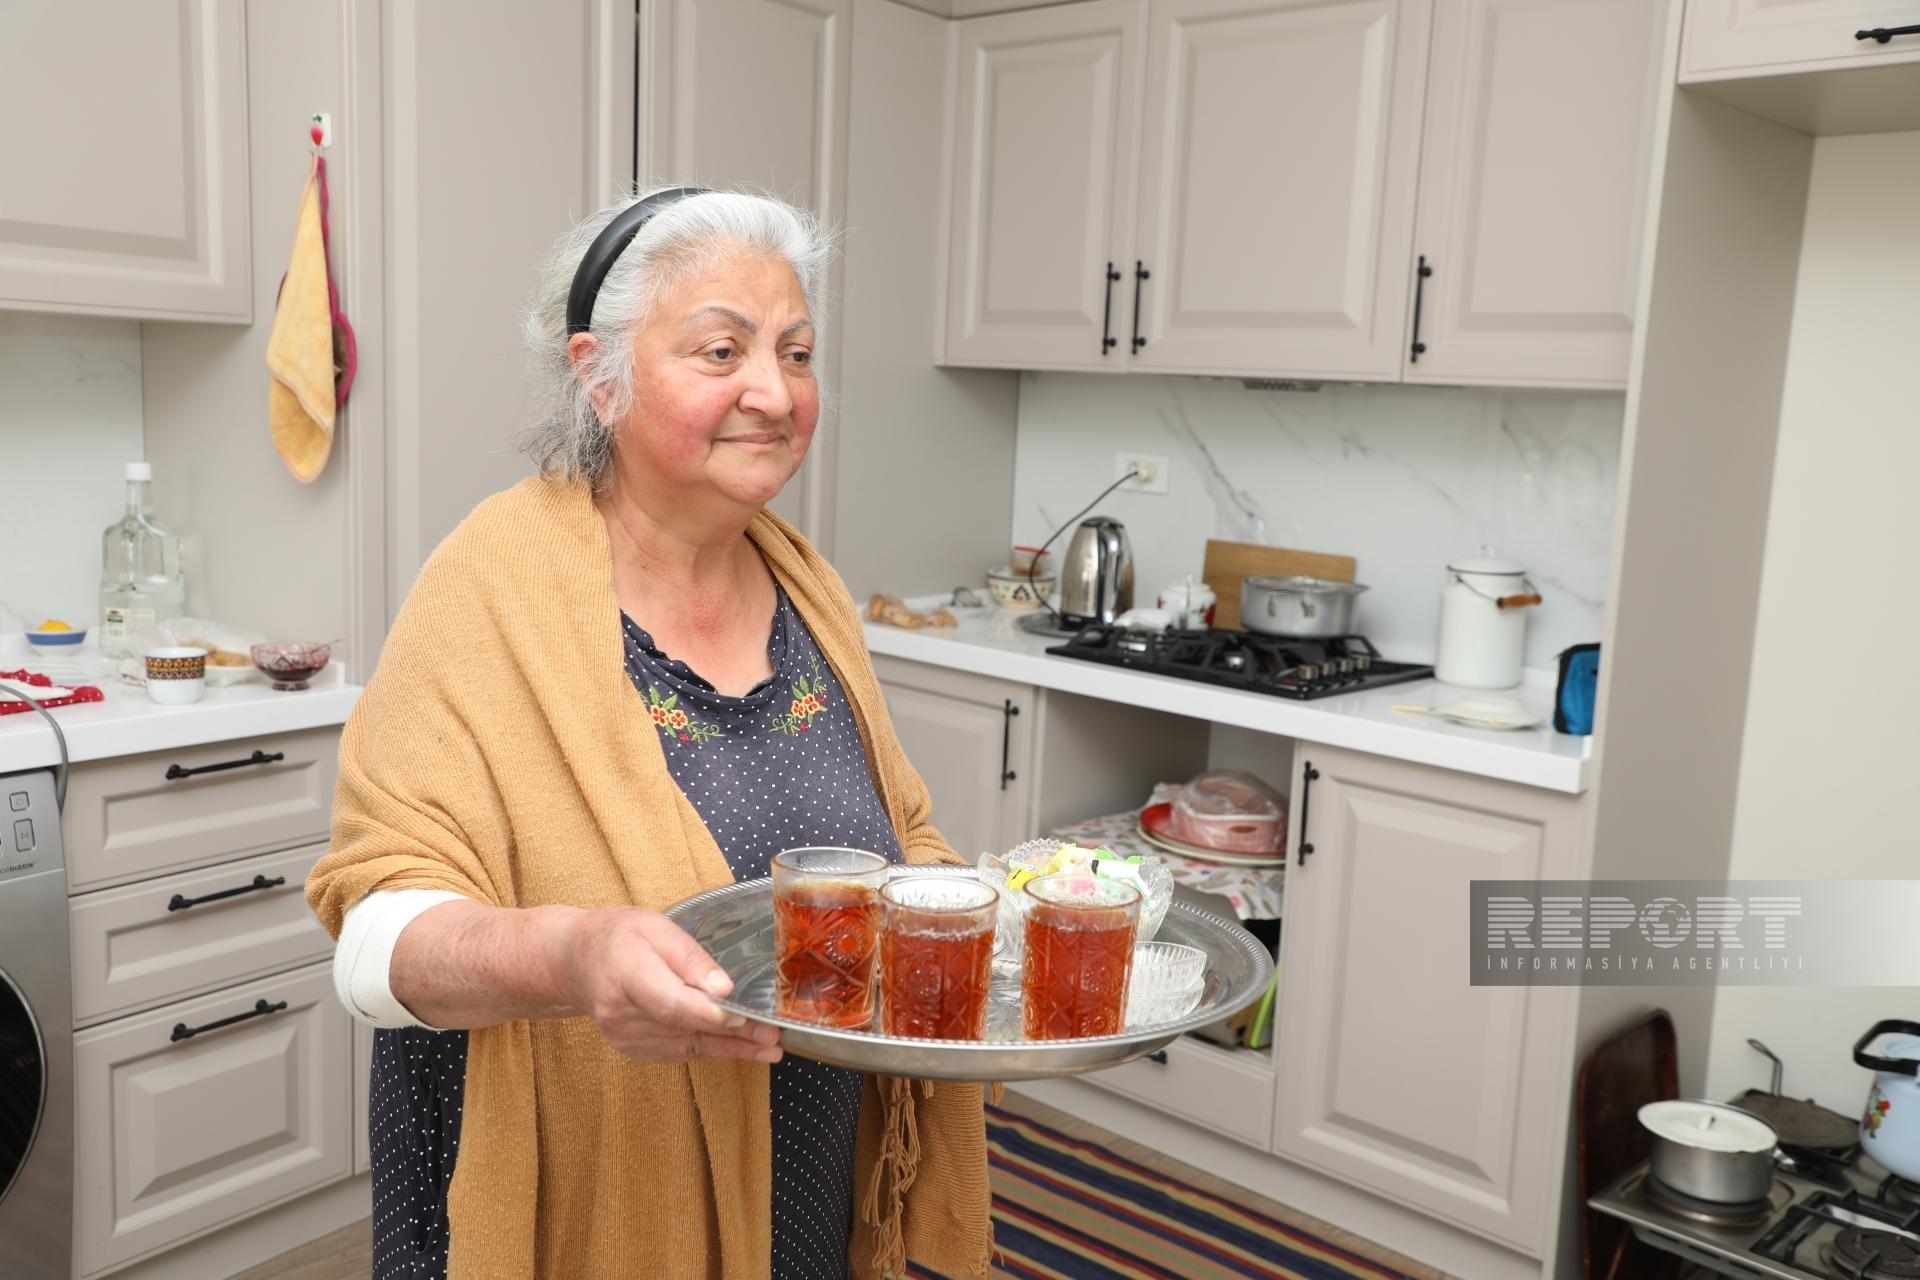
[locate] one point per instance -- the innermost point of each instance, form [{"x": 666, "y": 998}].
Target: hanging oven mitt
[{"x": 300, "y": 400}]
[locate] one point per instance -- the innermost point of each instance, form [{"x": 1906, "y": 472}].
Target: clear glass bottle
[{"x": 142, "y": 583}]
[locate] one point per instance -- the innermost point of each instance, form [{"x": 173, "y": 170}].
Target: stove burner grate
[{"x": 1858, "y": 1254}]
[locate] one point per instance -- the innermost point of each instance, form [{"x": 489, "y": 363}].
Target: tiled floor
[{"x": 347, "y": 1254}]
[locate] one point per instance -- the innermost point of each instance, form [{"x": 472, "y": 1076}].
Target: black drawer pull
[
  {"x": 179, "y": 903},
  {"x": 1308, "y": 776},
  {"x": 176, "y": 772},
  {"x": 1884, "y": 34},
  {"x": 1159, "y": 1056},
  {"x": 181, "y": 1031}
]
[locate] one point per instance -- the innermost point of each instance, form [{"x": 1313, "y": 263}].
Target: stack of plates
[{"x": 1156, "y": 822}]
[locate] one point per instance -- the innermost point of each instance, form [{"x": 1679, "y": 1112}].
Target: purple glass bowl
[{"x": 290, "y": 663}]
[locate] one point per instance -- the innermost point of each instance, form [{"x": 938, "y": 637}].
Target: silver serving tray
[{"x": 735, "y": 925}]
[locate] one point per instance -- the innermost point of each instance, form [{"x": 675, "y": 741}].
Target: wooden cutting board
[{"x": 1228, "y": 562}]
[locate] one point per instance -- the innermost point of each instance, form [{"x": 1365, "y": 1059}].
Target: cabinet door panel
[
  {"x": 1533, "y": 189},
  {"x": 1277, "y": 184},
  {"x": 956, "y": 731},
  {"x": 754, "y": 94},
  {"x": 174, "y": 1137},
  {"x": 132, "y": 202},
  {"x": 1402, "y": 1077},
  {"x": 1734, "y": 37},
  {"x": 1045, "y": 106}
]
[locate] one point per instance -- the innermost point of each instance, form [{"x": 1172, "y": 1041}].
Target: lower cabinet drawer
[
  {"x": 177, "y": 1133},
  {"x": 135, "y": 817},
  {"x": 1229, "y": 1090},
  {"x": 175, "y": 936}
]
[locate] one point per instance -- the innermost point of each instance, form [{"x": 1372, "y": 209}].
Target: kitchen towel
[{"x": 302, "y": 399}]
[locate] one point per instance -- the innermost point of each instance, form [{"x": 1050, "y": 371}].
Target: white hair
[{"x": 569, "y": 438}]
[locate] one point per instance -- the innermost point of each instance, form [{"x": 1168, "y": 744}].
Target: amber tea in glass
[
  {"x": 1079, "y": 955},
  {"x": 826, "y": 907},
  {"x": 936, "y": 956}
]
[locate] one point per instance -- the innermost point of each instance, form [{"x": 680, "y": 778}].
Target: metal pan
[{"x": 735, "y": 925}]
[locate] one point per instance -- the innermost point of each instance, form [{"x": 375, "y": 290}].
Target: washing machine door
[{"x": 23, "y": 1082}]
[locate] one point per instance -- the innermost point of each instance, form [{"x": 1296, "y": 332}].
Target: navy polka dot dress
[{"x": 776, "y": 769}]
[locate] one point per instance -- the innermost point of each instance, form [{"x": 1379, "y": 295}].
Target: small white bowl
[{"x": 1014, "y": 591}]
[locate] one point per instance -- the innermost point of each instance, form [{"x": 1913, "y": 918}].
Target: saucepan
[
  {"x": 1302, "y": 607},
  {"x": 1710, "y": 1151}
]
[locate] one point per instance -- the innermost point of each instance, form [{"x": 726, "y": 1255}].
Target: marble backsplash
[
  {"x": 70, "y": 421},
  {"x": 1402, "y": 478}
]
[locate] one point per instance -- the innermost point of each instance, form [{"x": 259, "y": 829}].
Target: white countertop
[
  {"x": 127, "y": 723},
  {"x": 988, "y": 643}
]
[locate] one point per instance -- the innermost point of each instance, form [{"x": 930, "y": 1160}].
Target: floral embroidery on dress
[
  {"x": 809, "y": 700},
  {"x": 676, "y": 723}
]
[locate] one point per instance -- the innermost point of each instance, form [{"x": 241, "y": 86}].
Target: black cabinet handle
[
  {"x": 181, "y": 1031},
  {"x": 176, "y": 772},
  {"x": 1884, "y": 34},
  {"x": 1308, "y": 777},
  {"x": 1007, "y": 712},
  {"x": 179, "y": 903},
  {"x": 1419, "y": 290},
  {"x": 1107, "y": 341},
  {"x": 1159, "y": 1056},
  {"x": 1140, "y": 273}
]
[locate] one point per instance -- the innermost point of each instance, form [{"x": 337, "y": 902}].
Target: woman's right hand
[{"x": 649, "y": 987}]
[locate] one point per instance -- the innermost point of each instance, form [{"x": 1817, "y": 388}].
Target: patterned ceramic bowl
[
  {"x": 1013, "y": 591},
  {"x": 290, "y": 663}
]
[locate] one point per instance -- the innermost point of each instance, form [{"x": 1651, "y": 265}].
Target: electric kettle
[{"x": 1096, "y": 576}]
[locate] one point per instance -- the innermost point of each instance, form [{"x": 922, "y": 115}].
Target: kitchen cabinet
[
  {"x": 971, "y": 738},
  {"x": 754, "y": 93},
  {"x": 177, "y": 1134},
  {"x": 1379, "y": 190},
  {"x": 1397, "y": 1075},
  {"x": 1276, "y": 192},
  {"x": 362, "y": 1095},
  {"x": 1730, "y": 38},
  {"x": 1533, "y": 186},
  {"x": 1045, "y": 119},
  {"x": 126, "y": 190}
]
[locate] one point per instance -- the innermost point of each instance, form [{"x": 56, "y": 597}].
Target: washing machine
[{"x": 36, "y": 1036}]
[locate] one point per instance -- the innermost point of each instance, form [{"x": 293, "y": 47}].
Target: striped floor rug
[{"x": 1065, "y": 1209}]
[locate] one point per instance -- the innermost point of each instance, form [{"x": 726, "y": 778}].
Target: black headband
[{"x": 607, "y": 248}]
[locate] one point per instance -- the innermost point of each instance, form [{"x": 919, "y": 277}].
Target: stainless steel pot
[
  {"x": 1710, "y": 1151},
  {"x": 1306, "y": 607}
]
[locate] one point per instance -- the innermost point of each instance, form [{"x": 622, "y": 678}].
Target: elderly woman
[{"x": 585, "y": 713}]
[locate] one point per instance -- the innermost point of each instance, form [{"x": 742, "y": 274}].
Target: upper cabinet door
[
  {"x": 747, "y": 93},
  {"x": 1736, "y": 37},
  {"x": 1277, "y": 185},
  {"x": 1042, "y": 182},
  {"x": 123, "y": 125},
  {"x": 754, "y": 94},
  {"x": 1533, "y": 190}
]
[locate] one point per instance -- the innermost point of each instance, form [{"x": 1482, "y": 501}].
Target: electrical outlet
[{"x": 1151, "y": 466}]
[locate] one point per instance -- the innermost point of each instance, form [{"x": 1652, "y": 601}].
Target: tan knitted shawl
[{"x": 501, "y": 752}]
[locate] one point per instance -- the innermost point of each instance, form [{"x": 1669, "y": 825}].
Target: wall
[
  {"x": 937, "y": 442},
  {"x": 1402, "y": 478},
  {"x": 264, "y": 551},
  {"x": 69, "y": 424},
  {"x": 1824, "y": 771}
]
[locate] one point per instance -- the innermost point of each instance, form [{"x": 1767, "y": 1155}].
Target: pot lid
[
  {"x": 1302, "y": 583},
  {"x": 1489, "y": 565},
  {"x": 1709, "y": 1126}
]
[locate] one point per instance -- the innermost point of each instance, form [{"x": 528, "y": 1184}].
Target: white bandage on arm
[{"x": 362, "y": 960}]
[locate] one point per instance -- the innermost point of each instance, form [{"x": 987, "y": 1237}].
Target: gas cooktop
[
  {"x": 1282, "y": 666},
  {"x": 1832, "y": 1218}
]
